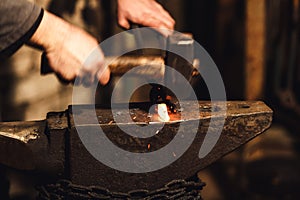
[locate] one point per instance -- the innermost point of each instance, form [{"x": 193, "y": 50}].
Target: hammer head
[{"x": 181, "y": 61}]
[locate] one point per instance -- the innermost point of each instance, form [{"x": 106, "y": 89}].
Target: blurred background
[{"x": 254, "y": 43}]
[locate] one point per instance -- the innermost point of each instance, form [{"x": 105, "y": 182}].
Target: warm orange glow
[
  {"x": 175, "y": 116},
  {"x": 168, "y": 97}
]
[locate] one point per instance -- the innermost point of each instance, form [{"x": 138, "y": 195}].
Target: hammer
[{"x": 154, "y": 65}]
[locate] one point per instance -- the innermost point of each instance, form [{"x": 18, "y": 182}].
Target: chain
[{"x": 65, "y": 189}]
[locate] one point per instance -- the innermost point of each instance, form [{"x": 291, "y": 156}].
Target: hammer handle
[{"x": 151, "y": 65}]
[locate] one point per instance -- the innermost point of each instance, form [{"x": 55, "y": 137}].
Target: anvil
[{"x": 53, "y": 146}]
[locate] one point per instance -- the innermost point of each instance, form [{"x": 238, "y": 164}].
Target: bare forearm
[{"x": 50, "y": 32}]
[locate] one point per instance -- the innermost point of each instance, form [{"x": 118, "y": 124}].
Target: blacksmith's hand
[
  {"x": 147, "y": 13},
  {"x": 71, "y": 52}
]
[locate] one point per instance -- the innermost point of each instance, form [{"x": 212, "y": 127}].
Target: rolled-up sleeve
[{"x": 18, "y": 21}]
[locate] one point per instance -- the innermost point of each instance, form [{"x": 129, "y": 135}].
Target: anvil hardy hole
[{"x": 243, "y": 106}]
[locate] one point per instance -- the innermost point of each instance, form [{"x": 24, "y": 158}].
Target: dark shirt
[{"x": 19, "y": 19}]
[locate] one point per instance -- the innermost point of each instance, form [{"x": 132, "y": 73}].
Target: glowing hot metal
[{"x": 162, "y": 111}]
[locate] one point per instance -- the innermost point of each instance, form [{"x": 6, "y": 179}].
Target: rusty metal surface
[
  {"x": 244, "y": 121},
  {"x": 53, "y": 146},
  {"x": 21, "y": 142},
  {"x": 35, "y": 146}
]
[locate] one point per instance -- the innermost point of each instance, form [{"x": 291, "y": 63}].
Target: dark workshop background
[{"x": 256, "y": 46}]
